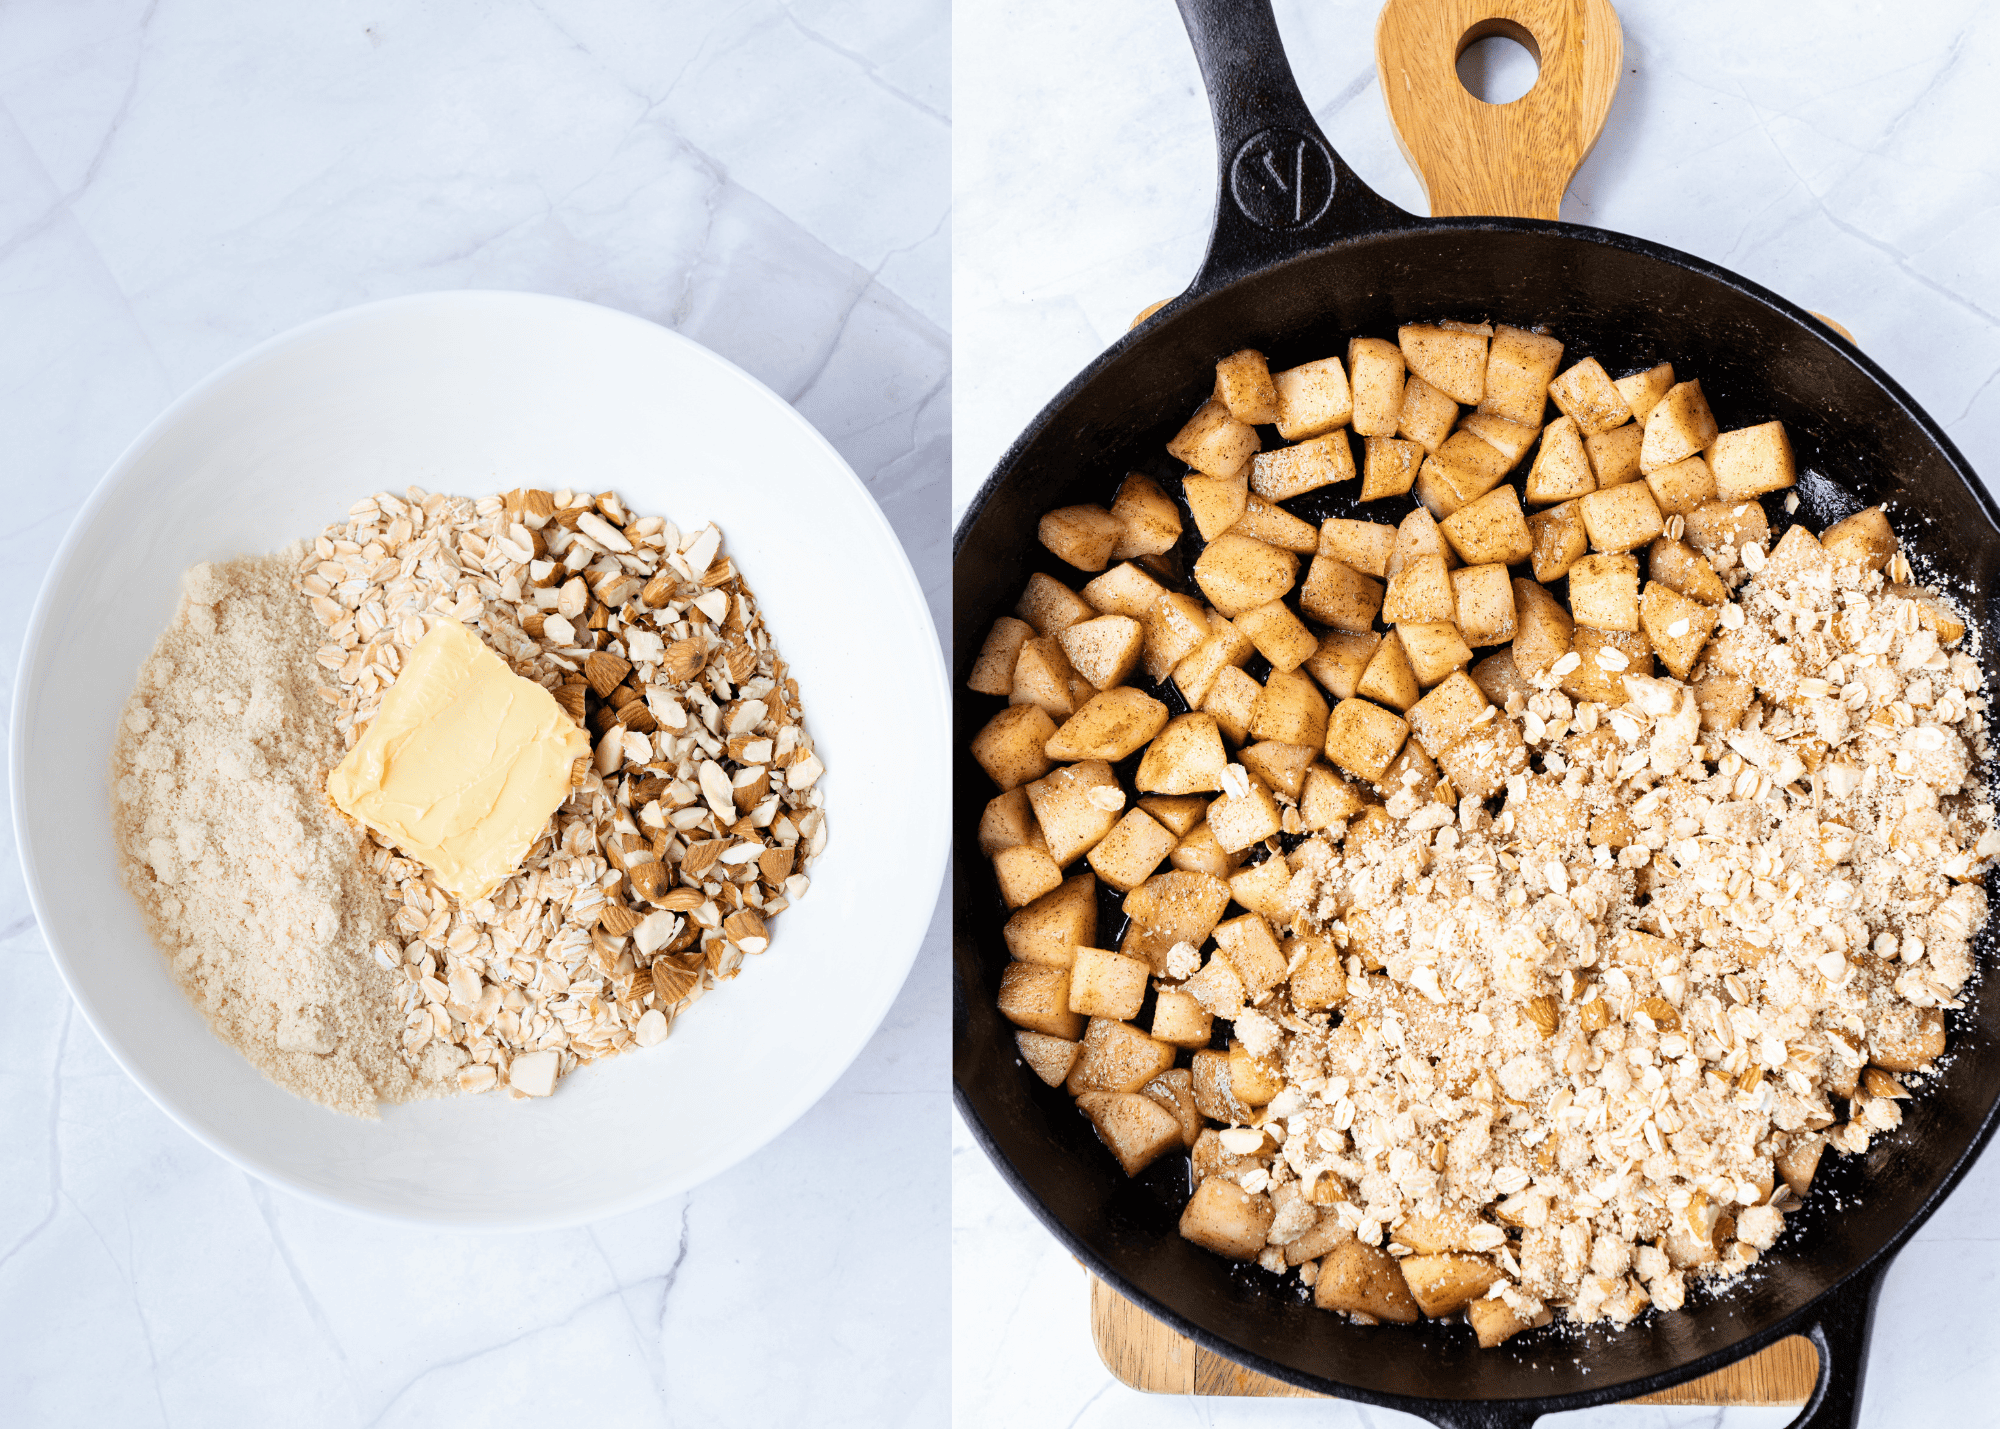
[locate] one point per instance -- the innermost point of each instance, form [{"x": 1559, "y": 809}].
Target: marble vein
[
  {"x": 54, "y": 1141},
  {"x": 865, "y": 65},
  {"x": 329, "y": 1334}
]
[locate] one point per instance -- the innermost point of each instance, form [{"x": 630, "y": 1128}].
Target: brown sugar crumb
[{"x": 1598, "y": 1028}]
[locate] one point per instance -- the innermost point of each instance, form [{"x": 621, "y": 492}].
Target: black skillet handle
[
  {"x": 1282, "y": 191},
  {"x": 1839, "y": 1335}
]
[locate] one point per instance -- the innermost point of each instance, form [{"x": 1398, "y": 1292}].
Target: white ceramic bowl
[{"x": 475, "y": 393}]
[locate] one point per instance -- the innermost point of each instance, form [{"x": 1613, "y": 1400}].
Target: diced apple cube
[
  {"x": 1232, "y": 699},
  {"x": 1614, "y": 455},
  {"x": 1561, "y": 469},
  {"x": 1049, "y": 605},
  {"x": 1337, "y": 595},
  {"x": 1127, "y": 856},
  {"x": 1265, "y": 889},
  {"x": 1186, "y": 757},
  {"x": 1050, "y": 1058},
  {"x": 1243, "y": 385},
  {"x": 1390, "y": 679},
  {"x": 1180, "y": 1020},
  {"x": 1176, "y": 625},
  {"x": 1863, "y": 539},
  {"x": 1024, "y": 873},
  {"x": 1677, "y": 428},
  {"x": 993, "y": 671},
  {"x": 1252, "y": 949},
  {"x": 1447, "y": 714},
  {"x": 1676, "y": 564},
  {"x": 1126, "y": 589},
  {"x": 1240, "y": 820},
  {"x": 1275, "y": 526},
  {"x": 1441, "y": 1284},
  {"x": 1213, "y": 442},
  {"x": 1421, "y": 591},
  {"x": 1376, "y": 369},
  {"x": 1281, "y": 765},
  {"x": 1680, "y": 488},
  {"x": 1076, "y": 806},
  {"x": 1084, "y": 536},
  {"x": 1491, "y": 528},
  {"x": 1727, "y": 526},
  {"x": 1604, "y": 659},
  {"x": 1223, "y": 1217},
  {"x": 1621, "y": 519},
  {"x": 1137, "y": 1129},
  {"x": 1418, "y": 535},
  {"x": 1427, "y": 414},
  {"x": 1110, "y": 726},
  {"x": 1642, "y": 391},
  {"x": 1107, "y": 984},
  {"x": 1173, "y": 1091},
  {"x": 1542, "y": 629},
  {"x": 1358, "y": 1279},
  {"x": 1499, "y": 678},
  {"x": 1312, "y": 398},
  {"x": 1519, "y": 366},
  {"x": 1178, "y": 812},
  {"x": 1237, "y": 573},
  {"x": 1253, "y": 1080},
  {"x": 1676, "y": 626},
  {"x": 1293, "y": 471},
  {"x": 1364, "y": 545},
  {"x": 1151, "y": 521},
  {"x": 1291, "y": 710},
  {"x": 1327, "y": 799},
  {"x": 1008, "y": 822},
  {"x": 1049, "y": 930},
  {"x": 1451, "y": 358},
  {"x": 1216, "y": 501},
  {"x": 1011, "y": 747},
  {"x": 1363, "y": 738},
  {"x": 1484, "y": 600},
  {"x": 1587, "y": 395},
  {"x": 1224, "y": 645},
  {"x": 1340, "y": 660},
  {"x": 1198, "y": 852},
  {"x": 1604, "y": 591},
  {"x": 1174, "y": 907},
  {"x": 1435, "y": 648},
  {"x": 1389, "y": 465},
  {"x": 1037, "y": 998},
  {"x": 1751, "y": 461},
  {"x": 1117, "y": 1057}
]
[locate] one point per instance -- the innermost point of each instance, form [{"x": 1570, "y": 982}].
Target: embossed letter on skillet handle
[{"x": 1282, "y": 190}]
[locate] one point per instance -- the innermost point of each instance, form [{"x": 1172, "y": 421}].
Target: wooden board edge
[{"x": 1144, "y": 1354}]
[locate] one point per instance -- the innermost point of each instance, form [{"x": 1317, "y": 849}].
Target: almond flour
[
  {"x": 1595, "y": 1038},
  {"x": 258, "y": 893}
]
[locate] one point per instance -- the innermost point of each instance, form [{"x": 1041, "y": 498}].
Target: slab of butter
[{"x": 463, "y": 765}]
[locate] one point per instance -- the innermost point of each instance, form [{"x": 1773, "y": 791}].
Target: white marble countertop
[
  {"x": 1840, "y": 152},
  {"x": 178, "y": 182}
]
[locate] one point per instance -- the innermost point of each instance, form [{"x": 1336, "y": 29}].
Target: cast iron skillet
[{"x": 1296, "y": 278}]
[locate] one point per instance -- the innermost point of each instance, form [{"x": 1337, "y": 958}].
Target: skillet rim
[{"x": 1860, "y": 1281}]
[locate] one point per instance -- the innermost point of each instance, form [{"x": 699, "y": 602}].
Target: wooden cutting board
[{"x": 1149, "y": 1357}]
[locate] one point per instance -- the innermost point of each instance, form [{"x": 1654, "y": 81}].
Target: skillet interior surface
[{"x": 1859, "y": 440}]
